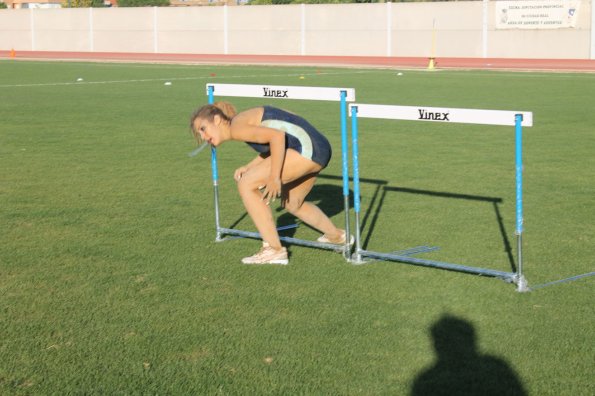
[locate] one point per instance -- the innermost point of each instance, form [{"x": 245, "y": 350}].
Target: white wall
[{"x": 441, "y": 29}]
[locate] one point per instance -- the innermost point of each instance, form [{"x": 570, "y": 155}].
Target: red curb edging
[{"x": 577, "y": 65}]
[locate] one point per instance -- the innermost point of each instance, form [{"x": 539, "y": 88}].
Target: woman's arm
[{"x": 245, "y": 127}]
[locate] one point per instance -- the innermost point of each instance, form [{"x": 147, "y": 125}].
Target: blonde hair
[{"x": 225, "y": 110}]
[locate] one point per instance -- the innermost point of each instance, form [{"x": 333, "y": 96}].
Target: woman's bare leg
[
  {"x": 294, "y": 201},
  {"x": 294, "y": 167}
]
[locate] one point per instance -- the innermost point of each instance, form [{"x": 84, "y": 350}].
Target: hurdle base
[
  {"x": 522, "y": 286},
  {"x": 357, "y": 258},
  {"x": 506, "y": 276},
  {"x": 289, "y": 240}
]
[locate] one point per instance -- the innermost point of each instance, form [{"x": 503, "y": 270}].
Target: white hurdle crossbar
[
  {"x": 518, "y": 119},
  {"x": 342, "y": 95}
]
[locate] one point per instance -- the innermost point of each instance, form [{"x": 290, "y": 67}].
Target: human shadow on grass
[
  {"x": 495, "y": 202},
  {"x": 460, "y": 369}
]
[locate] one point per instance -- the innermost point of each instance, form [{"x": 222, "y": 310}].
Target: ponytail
[{"x": 228, "y": 110}]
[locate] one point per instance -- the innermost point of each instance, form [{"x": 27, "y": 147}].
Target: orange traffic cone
[{"x": 13, "y": 54}]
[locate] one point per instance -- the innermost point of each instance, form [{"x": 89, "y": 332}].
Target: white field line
[
  {"x": 346, "y": 72},
  {"x": 179, "y": 79}
]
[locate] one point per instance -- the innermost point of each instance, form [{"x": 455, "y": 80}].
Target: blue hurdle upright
[
  {"x": 341, "y": 95},
  {"x": 445, "y": 115}
]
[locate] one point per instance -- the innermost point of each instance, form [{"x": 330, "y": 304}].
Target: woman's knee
[
  {"x": 246, "y": 186},
  {"x": 293, "y": 205}
]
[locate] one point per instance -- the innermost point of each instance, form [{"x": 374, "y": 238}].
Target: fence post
[
  {"x": 32, "y": 27},
  {"x": 303, "y": 30},
  {"x": 484, "y": 30},
  {"x": 225, "y": 29},
  {"x": 592, "y": 30},
  {"x": 389, "y": 28},
  {"x": 91, "y": 38},
  {"x": 155, "y": 31}
]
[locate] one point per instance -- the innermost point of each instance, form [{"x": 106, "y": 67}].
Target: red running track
[{"x": 560, "y": 65}]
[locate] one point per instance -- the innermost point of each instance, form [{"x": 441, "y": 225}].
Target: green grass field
[{"x": 111, "y": 281}]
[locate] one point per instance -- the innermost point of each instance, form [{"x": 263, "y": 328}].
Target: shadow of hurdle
[
  {"x": 494, "y": 201},
  {"x": 329, "y": 198}
]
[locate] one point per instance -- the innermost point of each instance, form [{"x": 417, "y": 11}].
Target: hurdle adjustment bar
[
  {"x": 401, "y": 253},
  {"x": 289, "y": 240},
  {"x": 507, "y": 276}
]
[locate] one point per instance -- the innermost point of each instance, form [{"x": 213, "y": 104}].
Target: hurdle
[
  {"x": 518, "y": 119},
  {"x": 341, "y": 95}
]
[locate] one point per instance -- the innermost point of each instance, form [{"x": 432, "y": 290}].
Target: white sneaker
[
  {"x": 340, "y": 241},
  {"x": 268, "y": 255}
]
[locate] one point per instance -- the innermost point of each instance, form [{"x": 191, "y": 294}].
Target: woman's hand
[
  {"x": 271, "y": 190},
  {"x": 237, "y": 175}
]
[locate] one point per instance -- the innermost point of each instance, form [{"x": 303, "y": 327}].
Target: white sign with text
[{"x": 537, "y": 14}]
